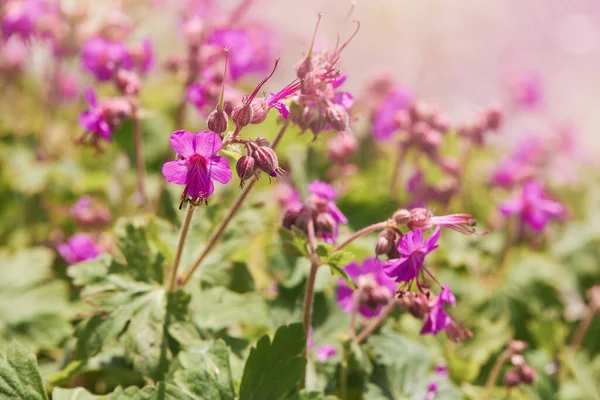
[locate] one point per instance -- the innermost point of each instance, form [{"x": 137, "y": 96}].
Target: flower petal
[
  {"x": 183, "y": 143},
  {"x": 207, "y": 143},
  {"x": 219, "y": 169},
  {"x": 175, "y": 172}
]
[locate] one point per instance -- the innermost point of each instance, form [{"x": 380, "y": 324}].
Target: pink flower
[
  {"x": 323, "y": 192},
  {"x": 533, "y": 206},
  {"x": 79, "y": 247},
  {"x": 325, "y": 352},
  {"x": 437, "y": 319},
  {"x": 101, "y": 57},
  {"x": 197, "y": 165},
  {"x": 412, "y": 248},
  {"x": 375, "y": 288},
  {"x": 384, "y": 124},
  {"x": 526, "y": 89},
  {"x": 94, "y": 120}
]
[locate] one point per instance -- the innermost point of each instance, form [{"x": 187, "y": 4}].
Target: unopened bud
[
  {"x": 440, "y": 122},
  {"x": 310, "y": 84},
  {"x": 517, "y": 346},
  {"x": 403, "y": 120},
  {"x": 402, "y": 217},
  {"x": 318, "y": 125},
  {"x": 303, "y": 67},
  {"x": 337, "y": 117},
  {"x": 341, "y": 147},
  {"x": 385, "y": 242},
  {"x": 217, "y": 121},
  {"x": 416, "y": 304},
  {"x": 127, "y": 82},
  {"x": 527, "y": 374},
  {"x": 419, "y": 218},
  {"x": 512, "y": 379},
  {"x": 242, "y": 115},
  {"x": 260, "y": 109},
  {"x": 517, "y": 360},
  {"x": 245, "y": 168},
  {"x": 325, "y": 223},
  {"x": 494, "y": 118},
  {"x": 290, "y": 217},
  {"x": 266, "y": 160}
]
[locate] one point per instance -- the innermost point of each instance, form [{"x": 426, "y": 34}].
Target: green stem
[
  {"x": 185, "y": 227},
  {"x": 493, "y": 377},
  {"x": 214, "y": 238},
  {"x": 376, "y": 322},
  {"x": 309, "y": 294},
  {"x": 371, "y": 228}
]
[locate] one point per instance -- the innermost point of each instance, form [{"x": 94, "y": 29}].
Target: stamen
[{"x": 337, "y": 54}]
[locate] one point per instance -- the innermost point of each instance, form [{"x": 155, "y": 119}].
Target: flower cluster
[
  {"x": 319, "y": 207},
  {"x": 102, "y": 117}
]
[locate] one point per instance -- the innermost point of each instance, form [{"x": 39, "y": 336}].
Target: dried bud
[
  {"x": 385, "y": 242},
  {"x": 337, "y": 117},
  {"x": 266, "y": 160},
  {"x": 417, "y": 304},
  {"x": 318, "y": 125},
  {"x": 494, "y": 118},
  {"x": 242, "y": 115},
  {"x": 217, "y": 121},
  {"x": 401, "y": 217},
  {"x": 517, "y": 346},
  {"x": 527, "y": 374},
  {"x": 512, "y": 379},
  {"x": 324, "y": 223},
  {"x": 245, "y": 168},
  {"x": 291, "y": 216},
  {"x": 260, "y": 109}
]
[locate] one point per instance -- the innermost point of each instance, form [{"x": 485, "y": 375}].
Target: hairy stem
[
  {"x": 185, "y": 227},
  {"x": 138, "y": 148},
  {"x": 309, "y": 294},
  {"x": 371, "y": 228},
  {"x": 376, "y": 322},
  {"x": 225, "y": 222},
  {"x": 495, "y": 372}
]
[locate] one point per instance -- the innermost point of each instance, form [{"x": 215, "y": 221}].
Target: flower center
[{"x": 196, "y": 160}]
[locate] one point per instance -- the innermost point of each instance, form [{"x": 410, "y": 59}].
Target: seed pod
[
  {"x": 266, "y": 160},
  {"x": 337, "y": 117},
  {"x": 385, "y": 242},
  {"x": 245, "y": 168},
  {"x": 324, "y": 223},
  {"x": 242, "y": 115},
  {"x": 260, "y": 110},
  {"x": 217, "y": 121}
]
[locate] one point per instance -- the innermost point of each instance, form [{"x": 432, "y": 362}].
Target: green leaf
[
  {"x": 583, "y": 374},
  {"x": 274, "y": 368},
  {"x": 19, "y": 375},
  {"x": 340, "y": 259},
  {"x": 162, "y": 391},
  {"x": 294, "y": 242},
  {"x": 335, "y": 270},
  {"x": 203, "y": 371},
  {"x": 73, "y": 394}
]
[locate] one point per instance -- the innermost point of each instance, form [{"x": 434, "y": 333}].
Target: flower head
[
  {"x": 79, "y": 247},
  {"x": 412, "y": 248},
  {"x": 94, "y": 119},
  {"x": 102, "y": 57},
  {"x": 533, "y": 206},
  {"x": 197, "y": 165},
  {"x": 375, "y": 288}
]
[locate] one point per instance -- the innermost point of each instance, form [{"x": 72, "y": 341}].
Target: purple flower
[
  {"x": 325, "y": 352},
  {"x": 197, "y": 164},
  {"x": 79, "y": 247},
  {"x": 323, "y": 193},
  {"x": 274, "y": 100},
  {"x": 533, "y": 206},
  {"x": 413, "y": 248},
  {"x": 375, "y": 288},
  {"x": 437, "y": 319},
  {"x": 384, "y": 123},
  {"x": 195, "y": 94},
  {"x": 431, "y": 391},
  {"x": 21, "y": 17},
  {"x": 526, "y": 89},
  {"x": 102, "y": 56},
  {"x": 94, "y": 119}
]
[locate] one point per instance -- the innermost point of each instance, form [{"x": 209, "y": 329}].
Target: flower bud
[
  {"x": 260, "y": 109},
  {"x": 511, "y": 379},
  {"x": 310, "y": 84},
  {"x": 385, "y": 242},
  {"x": 245, "y": 168},
  {"x": 527, "y": 374},
  {"x": 303, "y": 67},
  {"x": 242, "y": 115},
  {"x": 517, "y": 360},
  {"x": 401, "y": 217},
  {"x": 324, "y": 223},
  {"x": 416, "y": 304},
  {"x": 217, "y": 121},
  {"x": 290, "y": 217},
  {"x": 318, "y": 125},
  {"x": 403, "y": 120},
  {"x": 337, "y": 117},
  {"x": 266, "y": 160},
  {"x": 419, "y": 218},
  {"x": 127, "y": 82},
  {"x": 494, "y": 118},
  {"x": 341, "y": 147},
  {"x": 440, "y": 122},
  {"x": 517, "y": 346}
]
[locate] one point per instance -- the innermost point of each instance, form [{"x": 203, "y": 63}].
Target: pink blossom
[
  {"x": 325, "y": 352},
  {"x": 384, "y": 124},
  {"x": 437, "y": 319},
  {"x": 79, "y": 247},
  {"x": 101, "y": 57},
  {"x": 534, "y": 208},
  {"x": 412, "y": 248},
  {"x": 197, "y": 164}
]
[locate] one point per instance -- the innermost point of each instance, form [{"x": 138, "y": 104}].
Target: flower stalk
[
  {"x": 364, "y": 231},
  {"x": 309, "y": 294},
  {"x": 185, "y": 227},
  {"x": 376, "y": 322}
]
